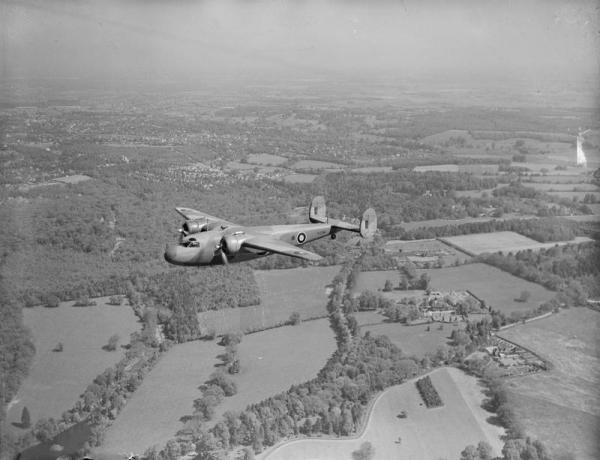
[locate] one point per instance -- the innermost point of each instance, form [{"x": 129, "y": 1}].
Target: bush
[
  {"x": 429, "y": 393},
  {"x": 112, "y": 343},
  {"x": 115, "y": 300},
  {"x": 294, "y": 319}
]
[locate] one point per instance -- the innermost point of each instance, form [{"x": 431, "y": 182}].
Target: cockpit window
[{"x": 191, "y": 243}]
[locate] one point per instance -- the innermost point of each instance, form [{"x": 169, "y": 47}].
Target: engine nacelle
[
  {"x": 231, "y": 244},
  {"x": 190, "y": 227}
]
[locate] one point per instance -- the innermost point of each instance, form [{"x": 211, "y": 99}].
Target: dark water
[{"x": 72, "y": 441}]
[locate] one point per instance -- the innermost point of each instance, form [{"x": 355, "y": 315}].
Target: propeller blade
[{"x": 224, "y": 257}]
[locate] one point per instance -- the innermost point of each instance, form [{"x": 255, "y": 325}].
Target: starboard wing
[
  {"x": 279, "y": 247},
  {"x": 192, "y": 214}
]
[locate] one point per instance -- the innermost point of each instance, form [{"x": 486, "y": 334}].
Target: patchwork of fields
[
  {"x": 561, "y": 407},
  {"x": 479, "y": 243},
  {"x": 426, "y": 434},
  {"x": 271, "y": 361},
  {"x": 56, "y": 379},
  {"x": 282, "y": 292},
  {"x": 497, "y": 288}
]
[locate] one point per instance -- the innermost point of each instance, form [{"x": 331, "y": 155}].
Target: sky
[{"x": 300, "y": 38}]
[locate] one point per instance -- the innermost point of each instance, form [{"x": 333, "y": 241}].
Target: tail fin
[
  {"x": 318, "y": 210},
  {"x": 368, "y": 223}
]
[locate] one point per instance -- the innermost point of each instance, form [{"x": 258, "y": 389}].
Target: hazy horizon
[{"x": 538, "y": 40}]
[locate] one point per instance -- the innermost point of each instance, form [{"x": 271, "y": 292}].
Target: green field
[
  {"x": 271, "y": 361},
  {"x": 282, "y": 292},
  {"x": 56, "y": 379},
  {"x": 426, "y": 434},
  {"x": 266, "y": 159},
  {"x": 497, "y": 288},
  {"x": 467, "y": 220},
  {"x": 561, "y": 407},
  {"x": 274, "y": 360},
  {"x": 479, "y": 243},
  {"x": 299, "y": 178},
  {"x": 427, "y": 248},
  {"x": 152, "y": 415},
  {"x": 316, "y": 164},
  {"x": 412, "y": 340},
  {"x": 562, "y": 187}
]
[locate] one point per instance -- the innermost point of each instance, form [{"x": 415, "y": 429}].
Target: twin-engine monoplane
[{"x": 208, "y": 240}]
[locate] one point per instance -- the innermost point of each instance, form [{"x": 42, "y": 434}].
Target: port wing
[{"x": 265, "y": 243}]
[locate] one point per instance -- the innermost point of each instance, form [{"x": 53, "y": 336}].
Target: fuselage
[{"x": 203, "y": 248}]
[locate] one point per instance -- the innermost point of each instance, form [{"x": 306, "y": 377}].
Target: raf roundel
[{"x": 301, "y": 237}]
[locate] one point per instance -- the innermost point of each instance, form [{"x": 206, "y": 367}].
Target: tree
[
  {"x": 388, "y": 286},
  {"x": 294, "y": 319},
  {"x": 25, "y": 418},
  {"x": 115, "y": 300},
  {"x": 365, "y": 452},
  {"x": 524, "y": 296},
  {"x": 52, "y": 301},
  {"x": 112, "y": 342}
]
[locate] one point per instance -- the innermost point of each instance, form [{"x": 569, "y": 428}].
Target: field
[
  {"x": 561, "y": 407},
  {"x": 282, "y": 293},
  {"x": 299, "y": 178},
  {"x": 56, "y": 379},
  {"x": 412, "y": 340},
  {"x": 266, "y": 159},
  {"x": 167, "y": 393},
  {"x": 497, "y": 288},
  {"x": 427, "y": 434},
  {"x": 375, "y": 280},
  {"x": 438, "y": 168},
  {"x": 562, "y": 187},
  {"x": 416, "y": 249},
  {"x": 479, "y": 243},
  {"x": 274, "y": 360},
  {"x": 271, "y": 361},
  {"x": 467, "y": 220},
  {"x": 316, "y": 164}
]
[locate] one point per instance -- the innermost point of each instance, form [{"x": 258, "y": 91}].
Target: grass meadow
[
  {"x": 479, "y": 243},
  {"x": 56, "y": 379},
  {"x": 433, "y": 247},
  {"x": 412, "y": 340},
  {"x": 441, "y": 432},
  {"x": 497, "y": 288},
  {"x": 561, "y": 407},
  {"x": 282, "y": 292},
  {"x": 271, "y": 361}
]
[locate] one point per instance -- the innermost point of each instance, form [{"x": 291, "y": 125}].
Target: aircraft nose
[{"x": 171, "y": 254}]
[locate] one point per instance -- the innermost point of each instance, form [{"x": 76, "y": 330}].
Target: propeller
[{"x": 219, "y": 247}]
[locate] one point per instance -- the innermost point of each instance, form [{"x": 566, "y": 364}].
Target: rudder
[
  {"x": 318, "y": 210},
  {"x": 368, "y": 223}
]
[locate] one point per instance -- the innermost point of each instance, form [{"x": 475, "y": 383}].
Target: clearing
[
  {"x": 497, "y": 288},
  {"x": 412, "y": 340},
  {"x": 316, "y": 164},
  {"x": 299, "y": 178},
  {"x": 271, "y": 361},
  {"x": 478, "y": 243},
  {"x": 266, "y": 159},
  {"x": 428, "y": 434},
  {"x": 561, "y": 407},
  {"x": 423, "y": 251},
  {"x": 282, "y": 292},
  {"x": 56, "y": 379}
]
